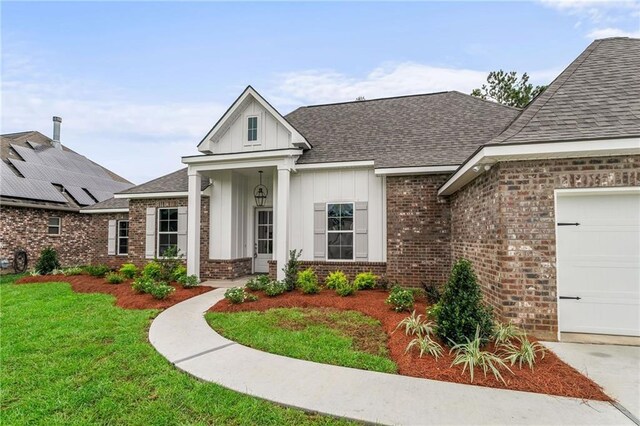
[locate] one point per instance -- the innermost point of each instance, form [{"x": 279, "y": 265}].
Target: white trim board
[
  {"x": 98, "y": 211},
  {"x": 335, "y": 165},
  {"x": 488, "y": 155},
  {"x": 152, "y": 195},
  {"x": 400, "y": 171}
]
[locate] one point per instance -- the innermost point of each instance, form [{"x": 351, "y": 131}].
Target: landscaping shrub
[
  {"x": 98, "y": 271},
  {"x": 142, "y": 285},
  {"x": 416, "y": 325},
  {"x": 189, "y": 281},
  {"x": 504, "y": 333},
  {"x": 114, "y": 278},
  {"x": 400, "y": 299},
  {"x": 160, "y": 290},
  {"x": 48, "y": 261},
  {"x": 238, "y": 295},
  {"x": 524, "y": 352},
  {"x": 179, "y": 272},
  {"x": 461, "y": 312},
  {"x": 471, "y": 355},
  {"x": 291, "y": 269},
  {"x": 432, "y": 292},
  {"x": 336, "y": 279},
  {"x": 275, "y": 288},
  {"x": 427, "y": 345},
  {"x": 258, "y": 283},
  {"x": 152, "y": 270},
  {"x": 308, "y": 281},
  {"x": 129, "y": 270},
  {"x": 383, "y": 282},
  {"x": 75, "y": 270},
  {"x": 365, "y": 280},
  {"x": 345, "y": 288}
]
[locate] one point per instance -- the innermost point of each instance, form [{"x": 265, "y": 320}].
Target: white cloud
[
  {"x": 325, "y": 86},
  {"x": 605, "y": 18},
  {"x": 613, "y": 32},
  {"x": 138, "y": 140}
]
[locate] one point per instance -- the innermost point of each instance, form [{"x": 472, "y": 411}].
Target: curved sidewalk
[{"x": 182, "y": 335}]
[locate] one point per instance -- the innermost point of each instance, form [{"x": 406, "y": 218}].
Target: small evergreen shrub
[
  {"x": 189, "y": 281},
  {"x": 75, "y": 270},
  {"x": 258, "y": 283},
  {"x": 365, "y": 281},
  {"x": 432, "y": 292},
  {"x": 114, "y": 278},
  {"x": 98, "y": 271},
  {"x": 48, "y": 261},
  {"x": 308, "y": 281},
  {"x": 336, "y": 279},
  {"x": 160, "y": 290},
  {"x": 471, "y": 355},
  {"x": 291, "y": 269},
  {"x": 345, "y": 288},
  {"x": 152, "y": 270},
  {"x": 142, "y": 285},
  {"x": 275, "y": 288},
  {"x": 383, "y": 282},
  {"x": 426, "y": 345},
  {"x": 523, "y": 351},
  {"x": 461, "y": 310},
  {"x": 180, "y": 272},
  {"x": 238, "y": 295},
  {"x": 401, "y": 299},
  {"x": 129, "y": 270},
  {"x": 504, "y": 333}
]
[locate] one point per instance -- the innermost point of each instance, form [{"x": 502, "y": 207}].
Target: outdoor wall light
[{"x": 260, "y": 192}]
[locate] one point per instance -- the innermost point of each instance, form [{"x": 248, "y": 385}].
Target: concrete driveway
[{"x": 615, "y": 368}]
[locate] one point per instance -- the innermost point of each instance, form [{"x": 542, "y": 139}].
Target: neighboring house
[
  {"x": 404, "y": 186},
  {"x": 43, "y": 186}
]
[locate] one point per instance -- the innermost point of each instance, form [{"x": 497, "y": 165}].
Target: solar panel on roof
[
  {"x": 17, "y": 187},
  {"x": 27, "y": 154},
  {"x": 100, "y": 195},
  {"x": 79, "y": 195}
]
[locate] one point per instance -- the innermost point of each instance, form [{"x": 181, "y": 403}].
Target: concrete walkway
[
  {"x": 181, "y": 334},
  {"x": 616, "y": 368}
]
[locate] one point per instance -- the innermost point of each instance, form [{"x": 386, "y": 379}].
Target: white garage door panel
[{"x": 599, "y": 261}]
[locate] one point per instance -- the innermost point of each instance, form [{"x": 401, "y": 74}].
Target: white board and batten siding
[
  {"x": 311, "y": 189},
  {"x": 271, "y": 134}
]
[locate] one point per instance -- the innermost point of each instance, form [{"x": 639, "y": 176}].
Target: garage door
[{"x": 598, "y": 262}]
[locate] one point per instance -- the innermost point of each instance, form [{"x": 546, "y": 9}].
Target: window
[
  {"x": 252, "y": 129},
  {"x": 123, "y": 237},
  {"x": 54, "y": 225},
  {"x": 167, "y": 229},
  {"x": 340, "y": 231}
]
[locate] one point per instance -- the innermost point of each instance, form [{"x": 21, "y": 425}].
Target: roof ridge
[
  {"x": 550, "y": 93},
  {"x": 375, "y": 100},
  {"x": 485, "y": 100}
]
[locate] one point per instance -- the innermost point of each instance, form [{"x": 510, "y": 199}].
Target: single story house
[
  {"x": 544, "y": 201},
  {"x": 43, "y": 186}
]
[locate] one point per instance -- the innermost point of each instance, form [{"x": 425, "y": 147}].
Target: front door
[{"x": 263, "y": 247}]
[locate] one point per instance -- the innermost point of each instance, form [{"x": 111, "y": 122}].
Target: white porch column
[
  {"x": 193, "y": 223},
  {"x": 282, "y": 219}
]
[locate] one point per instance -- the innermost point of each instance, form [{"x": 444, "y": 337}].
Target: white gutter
[
  {"x": 399, "y": 171},
  {"x": 483, "y": 159},
  {"x": 153, "y": 195},
  {"x": 98, "y": 211},
  {"x": 335, "y": 165},
  {"x": 250, "y": 155}
]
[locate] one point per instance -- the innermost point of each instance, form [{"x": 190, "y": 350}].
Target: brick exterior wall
[
  {"x": 224, "y": 269},
  {"x": 322, "y": 269},
  {"x": 512, "y": 208},
  {"x": 418, "y": 230},
  {"x": 100, "y": 239},
  {"x": 27, "y": 228}
]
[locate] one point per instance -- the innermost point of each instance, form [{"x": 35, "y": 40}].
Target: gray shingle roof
[
  {"x": 34, "y": 171},
  {"x": 597, "y": 96},
  {"x": 177, "y": 181},
  {"x": 419, "y": 130},
  {"x": 111, "y": 203}
]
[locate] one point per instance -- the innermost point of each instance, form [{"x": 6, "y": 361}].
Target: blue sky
[{"x": 138, "y": 84}]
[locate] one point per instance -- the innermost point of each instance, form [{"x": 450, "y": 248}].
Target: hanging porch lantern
[{"x": 260, "y": 192}]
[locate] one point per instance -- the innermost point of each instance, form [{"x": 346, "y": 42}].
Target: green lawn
[
  {"x": 69, "y": 358},
  {"x": 346, "y": 338}
]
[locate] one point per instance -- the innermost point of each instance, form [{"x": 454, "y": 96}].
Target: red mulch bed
[
  {"x": 550, "y": 376},
  {"x": 125, "y": 296}
]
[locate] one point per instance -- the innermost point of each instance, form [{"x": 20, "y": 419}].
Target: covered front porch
[{"x": 248, "y": 211}]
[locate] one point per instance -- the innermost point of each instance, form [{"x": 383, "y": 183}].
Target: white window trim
[
  {"x": 258, "y": 140},
  {"x": 59, "y": 225},
  {"x": 353, "y": 231},
  {"x": 158, "y": 233},
  {"x": 118, "y": 237}
]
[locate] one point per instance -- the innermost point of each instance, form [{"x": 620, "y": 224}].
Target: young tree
[{"x": 506, "y": 89}]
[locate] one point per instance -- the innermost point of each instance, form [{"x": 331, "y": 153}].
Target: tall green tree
[{"x": 507, "y": 89}]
